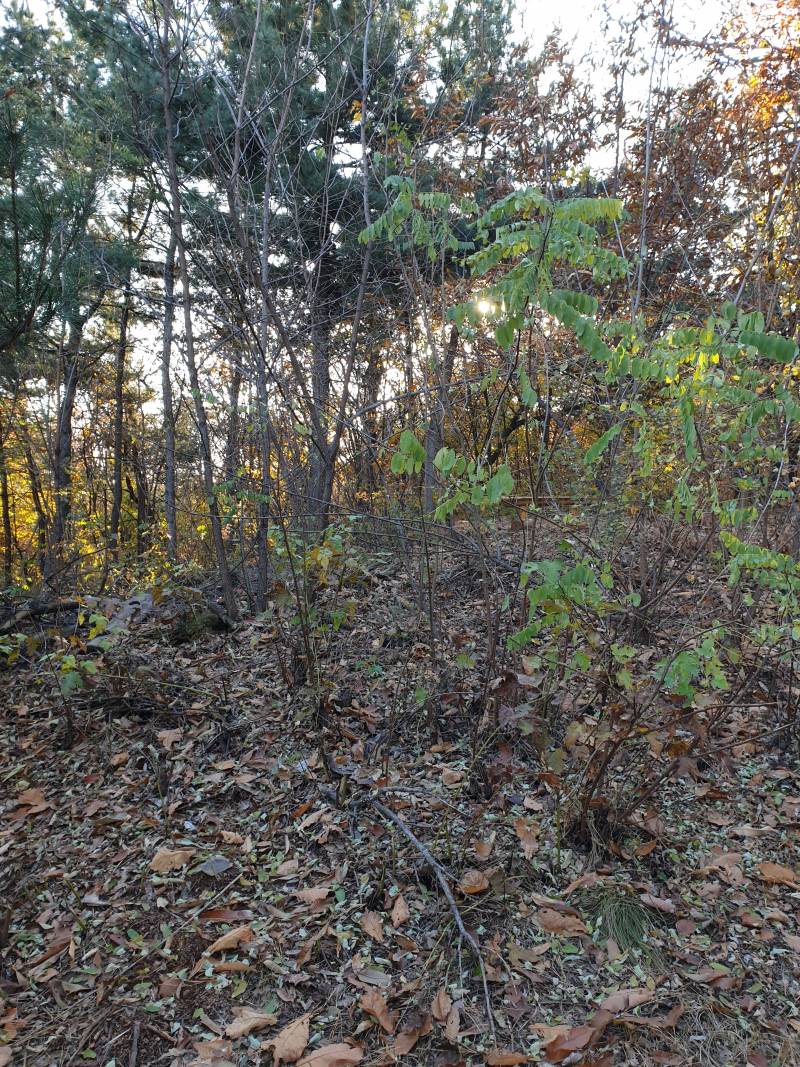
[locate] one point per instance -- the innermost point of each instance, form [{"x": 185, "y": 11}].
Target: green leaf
[
  {"x": 445, "y": 460},
  {"x": 499, "y": 485},
  {"x": 595, "y": 451}
]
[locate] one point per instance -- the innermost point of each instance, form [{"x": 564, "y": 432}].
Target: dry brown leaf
[
  {"x": 290, "y": 1044},
  {"x": 339, "y": 1055},
  {"x": 225, "y": 915},
  {"x": 506, "y": 1058},
  {"x": 654, "y": 1022},
  {"x": 441, "y": 1005},
  {"x": 410, "y": 1034},
  {"x": 248, "y": 1020},
  {"x": 372, "y": 925},
  {"x": 315, "y": 895},
  {"x": 452, "y": 1027},
  {"x": 473, "y": 881},
  {"x": 793, "y": 941},
  {"x": 528, "y": 833},
  {"x": 559, "y": 922},
  {"x": 577, "y": 1038},
  {"x": 374, "y": 1003},
  {"x": 776, "y": 874},
  {"x": 451, "y": 776},
  {"x": 5, "y": 1055},
  {"x": 33, "y": 800},
  {"x": 659, "y": 903},
  {"x": 400, "y": 912},
  {"x": 169, "y": 737},
  {"x": 230, "y": 940},
  {"x": 483, "y": 848},
  {"x": 625, "y": 999},
  {"x": 169, "y": 859}
]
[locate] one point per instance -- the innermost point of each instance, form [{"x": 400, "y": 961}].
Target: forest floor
[{"x": 211, "y": 873}]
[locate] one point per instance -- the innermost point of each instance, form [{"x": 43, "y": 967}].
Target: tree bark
[
  {"x": 183, "y": 273},
  {"x": 119, "y": 413},
  {"x": 170, "y": 507},
  {"x": 62, "y": 451},
  {"x": 5, "y": 505}
]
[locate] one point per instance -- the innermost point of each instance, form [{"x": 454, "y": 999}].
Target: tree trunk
[
  {"x": 62, "y": 452},
  {"x": 183, "y": 273},
  {"x": 170, "y": 508},
  {"x": 5, "y": 506},
  {"x": 119, "y": 412}
]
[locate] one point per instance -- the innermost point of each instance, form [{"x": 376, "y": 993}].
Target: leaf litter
[{"x": 203, "y": 880}]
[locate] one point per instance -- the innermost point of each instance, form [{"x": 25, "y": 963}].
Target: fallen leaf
[
  {"x": 483, "y": 848},
  {"x": 372, "y": 925},
  {"x": 410, "y": 1034},
  {"x": 776, "y": 874},
  {"x": 168, "y": 859},
  {"x": 339, "y": 1055},
  {"x": 441, "y": 1005},
  {"x": 290, "y": 1044},
  {"x": 230, "y": 940},
  {"x": 169, "y": 737},
  {"x": 625, "y": 999},
  {"x": 225, "y": 915},
  {"x": 5, "y": 1055},
  {"x": 400, "y": 912},
  {"x": 577, "y": 1038},
  {"x": 506, "y": 1058},
  {"x": 654, "y": 1022},
  {"x": 793, "y": 941},
  {"x": 248, "y": 1020},
  {"x": 452, "y": 1027},
  {"x": 473, "y": 881},
  {"x": 559, "y": 922},
  {"x": 315, "y": 895},
  {"x": 32, "y": 799},
  {"x": 659, "y": 903},
  {"x": 452, "y": 777},
  {"x": 374, "y": 1003},
  {"x": 214, "y": 865},
  {"x": 528, "y": 833}
]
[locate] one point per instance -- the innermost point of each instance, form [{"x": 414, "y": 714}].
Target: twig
[
  {"x": 134, "y": 1056},
  {"x": 87, "y": 1033},
  {"x": 444, "y": 885}
]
